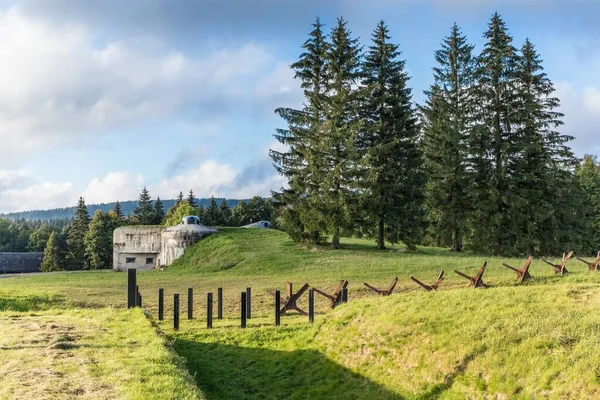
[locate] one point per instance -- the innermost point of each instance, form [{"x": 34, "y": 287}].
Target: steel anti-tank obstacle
[
  {"x": 431, "y": 287},
  {"x": 592, "y": 266},
  {"x": 522, "y": 273},
  {"x": 561, "y": 269},
  {"x": 384, "y": 292},
  {"x": 477, "y": 280},
  {"x": 289, "y": 301},
  {"x": 336, "y": 298}
]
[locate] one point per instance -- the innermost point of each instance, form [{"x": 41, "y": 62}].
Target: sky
[{"x": 99, "y": 98}]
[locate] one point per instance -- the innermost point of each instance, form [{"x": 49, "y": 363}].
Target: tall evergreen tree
[
  {"x": 144, "y": 212},
  {"x": 201, "y": 213},
  {"x": 191, "y": 199},
  {"x": 225, "y": 212},
  {"x": 393, "y": 174},
  {"x": 180, "y": 197},
  {"x": 543, "y": 154},
  {"x": 52, "y": 260},
  {"x": 447, "y": 121},
  {"x": 494, "y": 142},
  {"x": 98, "y": 241},
  {"x": 118, "y": 211},
  {"x": 337, "y": 159},
  {"x": 75, "y": 240},
  {"x": 159, "y": 211},
  {"x": 301, "y": 161},
  {"x": 588, "y": 176},
  {"x": 212, "y": 216}
]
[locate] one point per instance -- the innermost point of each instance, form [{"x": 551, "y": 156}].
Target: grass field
[{"x": 539, "y": 340}]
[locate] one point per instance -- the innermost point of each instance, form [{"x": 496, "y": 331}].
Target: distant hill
[{"x": 68, "y": 212}]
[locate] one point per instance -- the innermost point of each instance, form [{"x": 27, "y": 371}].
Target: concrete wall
[
  {"x": 20, "y": 262},
  {"x": 139, "y": 242},
  {"x": 123, "y": 261},
  {"x": 175, "y": 243}
]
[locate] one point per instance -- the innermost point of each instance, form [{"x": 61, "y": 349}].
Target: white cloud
[
  {"x": 582, "y": 116},
  {"x": 279, "y": 88},
  {"x": 38, "y": 196},
  {"x": 114, "y": 186},
  {"x": 206, "y": 179},
  {"x": 57, "y": 84}
]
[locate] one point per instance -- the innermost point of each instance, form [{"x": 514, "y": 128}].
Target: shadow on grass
[
  {"x": 30, "y": 303},
  {"x": 231, "y": 372},
  {"x": 459, "y": 370}
]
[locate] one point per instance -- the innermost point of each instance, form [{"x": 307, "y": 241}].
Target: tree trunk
[
  {"x": 456, "y": 240},
  {"x": 380, "y": 235},
  {"x": 335, "y": 240}
]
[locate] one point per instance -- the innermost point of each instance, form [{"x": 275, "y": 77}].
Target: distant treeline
[
  {"x": 84, "y": 241},
  {"x": 127, "y": 207}
]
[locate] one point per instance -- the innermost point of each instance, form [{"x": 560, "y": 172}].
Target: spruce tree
[
  {"x": 52, "y": 260},
  {"x": 180, "y": 197},
  {"x": 98, "y": 241},
  {"x": 118, "y": 211},
  {"x": 144, "y": 212},
  {"x": 301, "y": 161},
  {"x": 543, "y": 154},
  {"x": 225, "y": 212},
  {"x": 494, "y": 142},
  {"x": 447, "y": 121},
  {"x": 75, "y": 240},
  {"x": 393, "y": 171},
  {"x": 337, "y": 159},
  {"x": 588, "y": 177},
  {"x": 191, "y": 199},
  {"x": 212, "y": 216},
  {"x": 201, "y": 214},
  {"x": 159, "y": 211}
]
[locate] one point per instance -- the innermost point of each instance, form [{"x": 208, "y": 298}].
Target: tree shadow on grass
[
  {"x": 30, "y": 303},
  {"x": 232, "y": 372}
]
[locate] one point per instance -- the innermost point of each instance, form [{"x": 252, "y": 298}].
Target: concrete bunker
[{"x": 148, "y": 247}]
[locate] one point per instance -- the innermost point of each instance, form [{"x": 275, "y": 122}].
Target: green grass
[
  {"x": 91, "y": 354},
  {"x": 538, "y": 340}
]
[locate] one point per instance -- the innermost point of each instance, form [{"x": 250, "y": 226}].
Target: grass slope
[{"x": 532, "y": 341}]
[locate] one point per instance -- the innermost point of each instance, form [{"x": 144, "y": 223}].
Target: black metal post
[
  {"x": 277, "y": 307},
  {"x": 248, "y": 302},
  {"x": 311, "y": 306},
  {"x": 190, "y": 303},
  {"x": 161, "y": 304},
  {"x": 137, "y": 296},
  {"x": 139, "y": 299},
  {"x": 176, "y": 311},
  {"x": 220, "y": 303},
  {"x": 131, "y": 288},
  {"x": 344, "y": 295},
  {"x": 209, "y": 310},
  {"x": 243, "y": 309}
]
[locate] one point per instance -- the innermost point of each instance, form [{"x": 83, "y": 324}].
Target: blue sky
[{"x": 98, "y": 98}]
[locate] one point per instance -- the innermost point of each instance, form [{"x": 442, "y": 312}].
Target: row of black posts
[{"x": 134, "y": 299}]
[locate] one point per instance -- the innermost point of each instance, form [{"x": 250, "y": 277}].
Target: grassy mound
[{"x": 511, "y": 342}]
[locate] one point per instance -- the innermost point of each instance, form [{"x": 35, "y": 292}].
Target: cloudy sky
[{"x": 99, "y": 98}]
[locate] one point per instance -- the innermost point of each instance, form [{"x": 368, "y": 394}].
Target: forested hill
[{"x": 68, "y": 212}]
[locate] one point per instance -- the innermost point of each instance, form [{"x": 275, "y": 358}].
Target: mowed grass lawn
[{"x": 538, "y": 340}]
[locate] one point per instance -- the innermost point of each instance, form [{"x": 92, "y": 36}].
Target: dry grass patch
[{"x": 87, "y": 354}]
